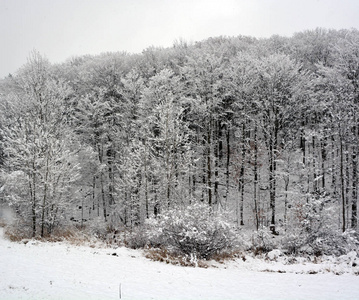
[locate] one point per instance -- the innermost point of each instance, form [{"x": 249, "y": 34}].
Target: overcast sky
[{"x": 60, "y": 29}]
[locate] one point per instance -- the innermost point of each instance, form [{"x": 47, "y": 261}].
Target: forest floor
[{"x": 42, "y": 270}]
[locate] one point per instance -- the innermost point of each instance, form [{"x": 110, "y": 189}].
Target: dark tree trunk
[
  {"x": 354, "y": 220},
  {"x": 314, "y": 161},
  {"x": 241, "y": 174},
  {"x": 272, "y": 174},
  {"x": 323, "y": 145},
  {"x": 354, "y": 204},
  {"x": 209, "y": 165},
  {"x": 227, "y": 162},
  {"x": 111, "y": 175},
  {"x": 342, "y": 184},
  {"x": 255, "y": 182},
  {"x": 33, "y": 201},
  {"x": 217, "y": 154}
]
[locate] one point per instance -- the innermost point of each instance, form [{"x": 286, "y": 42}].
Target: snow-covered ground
[{"x": 39, "y": 270}]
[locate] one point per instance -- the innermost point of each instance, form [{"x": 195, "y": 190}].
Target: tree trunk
[
  {"x": 103, "y": 197},
  {"x": 302, "y": 145},
  {"x": 217, "y": 159},
  {"x": 342, "y": 184},
  {"x": 323, "y": 145},
  {"x": 334, "y": 175},
  {"x": 255, "y": 182},
  {"x": 209, "y": 166},
  {"x": 241, "y": 174},
  {"x": 93, "y": 192},
  {"x": 354, "y": 189},
  {"x": 314, "y": 161},
  {"x": 272, "y": 187},
  {"x": 32, "y": 184},
  {"x": 204, "y": 174},
  {"x": 347, "y": 183},
  {"x": 146, "y": 185},
  {"x": 100, "y": 156},
  {"x": 272, "y": 174},
  {"x": 44, "y": 199},
  {"x": 227, "y": 163},
  {"x": 111, "y": 175}
]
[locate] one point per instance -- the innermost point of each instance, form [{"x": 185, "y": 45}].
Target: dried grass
[
  {"x": 69, "y": 234},
  {"x": 170, "y": 257},
  {"x": 15, "y": 234},
  {"x": 223, "y": 256}
]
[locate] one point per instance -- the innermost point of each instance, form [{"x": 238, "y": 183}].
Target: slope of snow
[{"x": 61, "y": 271}]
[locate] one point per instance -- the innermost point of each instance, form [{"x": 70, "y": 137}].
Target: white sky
[{"x": 60, "y": 29}]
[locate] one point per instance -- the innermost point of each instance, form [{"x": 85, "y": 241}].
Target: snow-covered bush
[
  {"x": 274, "y": 254},
  {"x": 263, "y": 241},
  {"x": 137, "y": 238},
  {"x": 316, "y": 231},
  {"x": 193, "y": 230},
  {"x": 293, "y": 241},
  {"x": 334, "y": 242},
  {"x": 98, "y": 228}
]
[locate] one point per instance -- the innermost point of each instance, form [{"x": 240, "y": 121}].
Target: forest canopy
[{"x": 262, "y": 130}]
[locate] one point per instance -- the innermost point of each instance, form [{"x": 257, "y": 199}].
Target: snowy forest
[{"x": 230, "y": 140}]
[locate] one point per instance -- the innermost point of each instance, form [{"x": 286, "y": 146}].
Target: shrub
[
  {"x": 193, "y": 231},
  {"x": 137, "y": 238},
  {"x": 97, "y": 228},
  {"x": 334, "y": 242},
  {"x": 317, "y": 233},
  {"x": 263, "y": 241},
  {"x": 170, "y": 257}
]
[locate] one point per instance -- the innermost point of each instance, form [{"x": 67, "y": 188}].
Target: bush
[
  {"x": 263, "y": 241},
  {"x": 98, "y": 228},
  {"x": 334, "y": 242},
  {"x": 191, "y": 231},
  {"x": 137, "y": 238},
  {"x": 317, "y": 233}
]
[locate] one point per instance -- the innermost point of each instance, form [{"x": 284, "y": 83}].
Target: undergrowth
[
  {"x": 175, "y": 258},
  {"x": 71, "y": 234}
]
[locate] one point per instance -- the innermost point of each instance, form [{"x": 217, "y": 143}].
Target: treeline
[{"x": 263, "y": 129}]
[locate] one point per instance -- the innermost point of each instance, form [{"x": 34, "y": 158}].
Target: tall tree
[
  {"x": 278, "y": 91},
  {"x": 39, "y": 145},
  {"x": 165, "y": 135}
]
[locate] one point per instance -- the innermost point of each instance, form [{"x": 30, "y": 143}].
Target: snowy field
[{"x": 61, "y": 271}]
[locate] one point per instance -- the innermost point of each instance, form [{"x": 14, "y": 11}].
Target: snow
[
  {"x": 274, "y": 254},
  {"x": 40, "y": 270}
]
